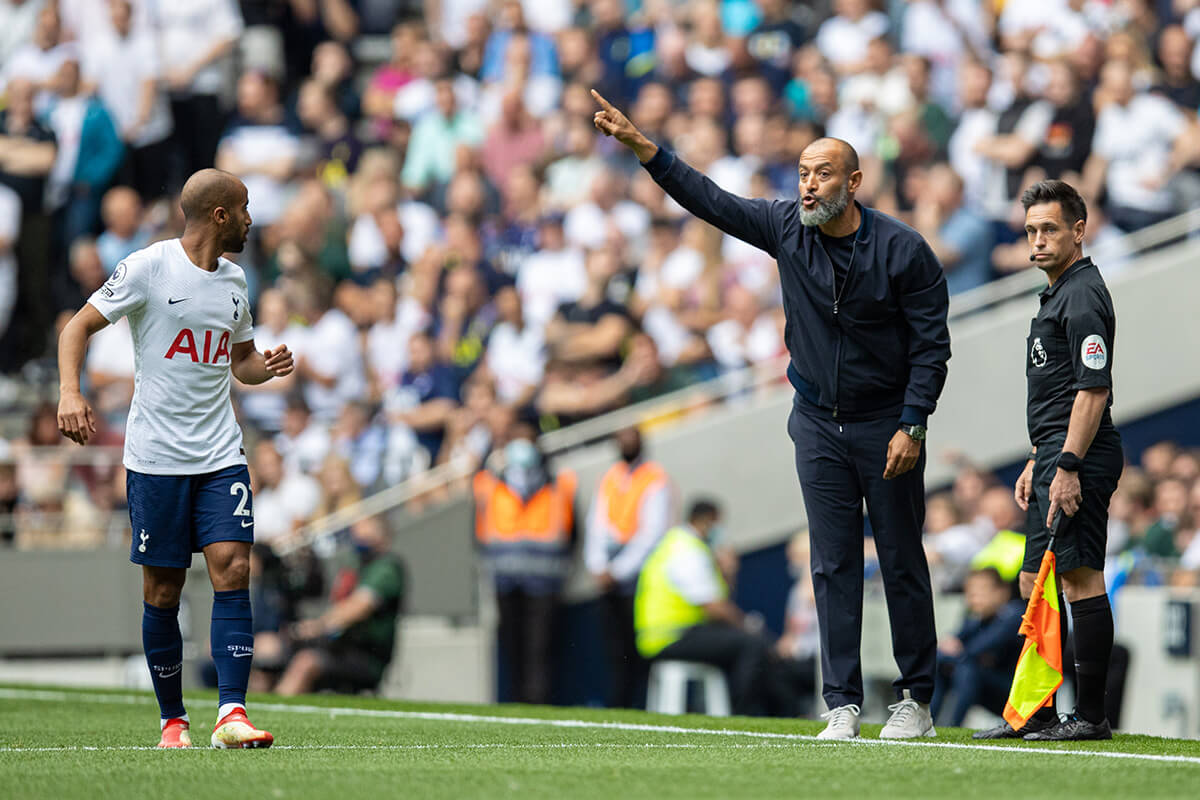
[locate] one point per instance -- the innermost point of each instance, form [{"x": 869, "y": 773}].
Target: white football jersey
[{"x": 185, "y": 321}]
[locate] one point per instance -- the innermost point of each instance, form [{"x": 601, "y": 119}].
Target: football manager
[{"x": 865, "y": 301}]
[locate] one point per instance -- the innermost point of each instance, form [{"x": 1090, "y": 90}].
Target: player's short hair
[
  {"x": 1072, "y": 204},
  {"x": 703, "y": 508}
]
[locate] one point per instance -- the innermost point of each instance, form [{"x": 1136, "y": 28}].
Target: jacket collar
[{"x": 1077, "y": 267}]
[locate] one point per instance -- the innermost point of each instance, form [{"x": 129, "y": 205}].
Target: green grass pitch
[{"x": 60, "y": 743}]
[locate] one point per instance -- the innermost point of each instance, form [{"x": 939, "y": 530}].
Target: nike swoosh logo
[
  {"x": 247, "y": 524},
  {"x": 170, "y": 674},
  {"x": 173, "y": 300},
  {"x": 242, "y": 655}
]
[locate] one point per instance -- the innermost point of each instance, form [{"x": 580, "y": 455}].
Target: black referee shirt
[{"x": 1070, "y": 348}]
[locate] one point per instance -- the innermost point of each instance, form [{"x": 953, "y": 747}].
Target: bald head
[
  {"x": 208, "y": 190},
  {"x": 838, "y": 151},
  {"x": 216, "y": 210}
]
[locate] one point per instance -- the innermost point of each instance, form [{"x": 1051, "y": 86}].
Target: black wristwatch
[{"x": 917, "y": 432}]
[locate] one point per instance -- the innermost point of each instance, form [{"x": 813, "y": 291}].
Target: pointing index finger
[{"x": 600, "y": 99}]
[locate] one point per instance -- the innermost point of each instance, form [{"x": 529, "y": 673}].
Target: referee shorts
[{"x": 1082, "y": 539}]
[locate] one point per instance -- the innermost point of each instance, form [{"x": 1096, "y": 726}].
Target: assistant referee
[{"x": 1077, "y": 457}]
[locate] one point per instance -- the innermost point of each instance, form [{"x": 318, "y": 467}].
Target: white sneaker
[
  {"x": 843, "y": 723},
  {"x": 909, "y": 720}
]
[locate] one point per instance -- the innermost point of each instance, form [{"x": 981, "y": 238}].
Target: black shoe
[
  {"x": 1005, "y": 731},
  {"x": 1072, "y": 729}
]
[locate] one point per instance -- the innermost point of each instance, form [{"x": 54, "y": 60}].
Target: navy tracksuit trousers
[{"x": 840, "y": 464}]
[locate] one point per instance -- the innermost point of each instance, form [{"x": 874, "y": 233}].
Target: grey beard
[{"x": 826, "y": 210}]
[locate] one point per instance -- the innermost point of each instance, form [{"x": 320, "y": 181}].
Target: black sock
[{"x": 1093, "y": 649}]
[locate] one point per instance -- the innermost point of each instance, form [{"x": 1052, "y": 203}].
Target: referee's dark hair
[
  {"x": 1072, "y": 205},
  {"x": 703, "y": 509}
]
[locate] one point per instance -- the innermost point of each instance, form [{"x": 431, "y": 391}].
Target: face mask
[
  {"x": 715, "y": 534},
  {"x": 631, "y": 454},
  {"x": 522, "y": 454}
]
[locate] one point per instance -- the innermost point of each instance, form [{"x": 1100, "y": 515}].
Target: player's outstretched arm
[
  {"x": 75, "y": 417},
  {"x": 611, "y": 122},
  {"x": 252, "y": 367}
]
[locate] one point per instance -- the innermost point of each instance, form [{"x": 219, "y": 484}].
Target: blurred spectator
[
  {"x": 551, "y": 276},
  {"x": 122, "y": 65},
  {"x": 843, "y": 38},
  {"x": 423, "y": 399},
  {"x": 10, "y": 228},
  {"x": 264, "y": 404},
  {"x": 629, "y": 516},
  {"x": 88, "y": 156},
  {"x": 524, "y": 524},
  {"x": 776, "y": 37},
  {"x": 18, "y": 22},
  {"x": 39, "y": 59},
  {"x": 975, "y": 666},
  {"x": 337, "y": 148},
  {"x": 800, "y": 644},
  {"x": 360, "y": 441},
  {"x": 349, "y": 646},
  {"x": 195, "y": 39},
  {"x": 514, "y": 139},
  {"x": 1171, "y": 522},
  {"x": 1136, "y": 132},
  {"x": 465, "y": 320},
  {"x": 260, "y": 147},
  {"x": 590, "y": 224},
  {"x": 436, "y": 137},
  {"x": 977, "y": 122},
  {"x": 302, "y": 442},
  {"x": 961, "y": 239},
  {"x": 751, "y": 333},
  {"x": 683, "y": 612},
  {"x": 1062, "y": 152},
  {"x": 330, "y": 360},
  {"x": 516, "y": 353},
  {"x": 379, "y": 98},
  {"x": 121, "y": 211},
  {"x": 590, "y": 331},
  {"x": 283, "y": 499},
  {"x": 1177, "y": 83}
]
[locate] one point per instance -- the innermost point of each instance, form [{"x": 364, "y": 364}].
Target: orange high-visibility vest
[
  {"x": 501, "y": 516},
  {"x": 623, "y": 491}
]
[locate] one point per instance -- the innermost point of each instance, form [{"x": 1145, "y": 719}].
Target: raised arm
[{"x": 752, "y": 221}]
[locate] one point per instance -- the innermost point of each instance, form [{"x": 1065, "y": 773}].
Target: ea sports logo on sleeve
[{"x": 1093, "y": 352}]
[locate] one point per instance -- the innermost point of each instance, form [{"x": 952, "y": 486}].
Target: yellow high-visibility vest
[{"x": 660, "y": 613}]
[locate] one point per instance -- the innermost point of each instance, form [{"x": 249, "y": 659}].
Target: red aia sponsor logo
[{"x": 185, "y": 345}]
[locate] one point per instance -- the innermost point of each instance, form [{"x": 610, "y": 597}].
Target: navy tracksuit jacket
[{"x": 860, "y": 368}]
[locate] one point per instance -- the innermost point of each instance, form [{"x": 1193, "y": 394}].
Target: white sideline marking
[
  {"x": 437, "y": 716},
  {"x": 464, "y": 746}
]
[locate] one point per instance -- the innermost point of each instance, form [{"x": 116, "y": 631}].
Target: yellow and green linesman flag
[{"x": 1039, "y": 669}]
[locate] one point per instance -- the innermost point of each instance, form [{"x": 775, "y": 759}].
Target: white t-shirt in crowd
[
  {"x": 516, "y": 358},
  {"x": 10, "y": 226},
  {"x": 976, "y": 171},
  {"x": 845, "y": 42},
  {"x": 17, "y": 23},
  {"x": 1136, "y": 140},
  {"x": 277, "y": 509},
  {"x": 255, "y": 145},
  {"x": 305, "y": 451},
  {"x": 734, "y": 346},
  {"x": 189, "y": 29},
  {"x": 110, "y": 351},
  {"x": 266, "y": 407},
  {"x": 547, "y": 279},
  {"x": 586, "y": 226},
  {"x": 119, "y": 67},
  {"x": 331, "y": 349},
  {"x": 185, "y": 321},
  {"x": 387, "y": 349}
]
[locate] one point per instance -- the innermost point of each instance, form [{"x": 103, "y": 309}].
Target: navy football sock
[
  {"x": 232, "y": 644},
  {"x": 163, "y": 644}
]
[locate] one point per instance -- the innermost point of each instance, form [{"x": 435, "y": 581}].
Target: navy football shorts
[{"x": 174, "y": 516}]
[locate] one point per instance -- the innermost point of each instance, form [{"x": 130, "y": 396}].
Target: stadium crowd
[{"x": 449, "y": 246}]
